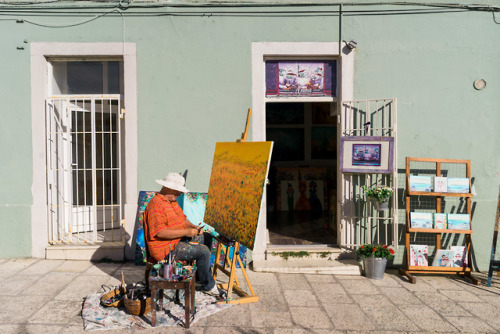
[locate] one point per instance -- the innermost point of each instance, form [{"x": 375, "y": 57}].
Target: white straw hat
[{"x": 174, "y": 181}]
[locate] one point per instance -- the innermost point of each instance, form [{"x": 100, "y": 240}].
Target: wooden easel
[
  {"x": 229, "y": 267},
  {"x": 494, "y": 264}
]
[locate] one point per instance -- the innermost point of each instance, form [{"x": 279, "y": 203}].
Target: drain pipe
[{"x": 340, "y": 28}]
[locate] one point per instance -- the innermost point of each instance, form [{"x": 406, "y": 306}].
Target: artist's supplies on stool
[
  {"x": 137, "y": 301},
  {"x": 168, "y": 271},
  {"x": 178, "y": 268},
  {"x": 114, "y": 298},
  {"x": 187, "y": 271}
]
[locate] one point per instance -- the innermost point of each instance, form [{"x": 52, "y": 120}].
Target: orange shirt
[{"x": 159, "y": 215}]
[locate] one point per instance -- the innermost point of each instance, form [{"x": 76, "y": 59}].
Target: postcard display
[{"x": 457, "y": 259}]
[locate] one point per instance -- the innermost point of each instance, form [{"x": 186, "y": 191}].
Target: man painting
[{"x": 167, "y": 229}]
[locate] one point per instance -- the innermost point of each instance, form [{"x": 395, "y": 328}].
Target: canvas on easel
[{"x": 237, "y": 182}]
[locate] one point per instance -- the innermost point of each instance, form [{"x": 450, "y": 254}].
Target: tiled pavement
[{"x": 45, "y": 296}]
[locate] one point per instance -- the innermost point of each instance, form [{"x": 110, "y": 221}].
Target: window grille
[
  {"x": 84, "y": 169},
  {"x": 359, "y": 222}
]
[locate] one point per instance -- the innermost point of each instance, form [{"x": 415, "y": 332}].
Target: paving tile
[
  {"x": 261, "y": 318},
  {"x": 18, "y": 309},
  {"x": 12, "y": 266},
  {"x": 300, "y": 298},
  {"x": 14, "y": 285},
  {"x": 377, "y": 332},
  {"x": 81, "y": 287},
  {"x": 293, "y": 281},
  {"x": 12, "y": 329},
  {"x": 389, "y": 280},
  {"x": 385, "y": 314},
  {"x": 257, "y": 278},
  {"x": 236, "y": 330},
  {"x": 266, "y": 289},
  {"x": 236, "y": 315},
  {"x": 441, "y": 283},
  {"x": 350, "y": 277},
  {"x": 78, "y": 329},
  {"x": 309, "y": 317},
  {"x": 104, "y": 269},
  {"x": 320, "y": 278},
  {"x": 270, "y": 302},
  {"x": 331, "y": 294},
  {"x": 73, "y": 266},
  {"x": 50, "y": 284},
  {"x": 421, "y": 285},
  {"x": 30, "y": 329},
  {"x": 471, "y": 325},
  {"x": 359, "y": 287},
  {"x": 399, "y": 295},
  {"x": 479, "y": 290},
  {"x": 57, "y": 312},
  {"x": 40, "y": 268},
  {"x": 462, "y": 296},
  {"x": 490, "y": 315},
  {"x": 426, "y": 318},
  {"x": 493, "y": 299},
  {"x": 306, "y": 331},
  {"x": 441, "y": 304},
  {"x": 349, "y": 316}
]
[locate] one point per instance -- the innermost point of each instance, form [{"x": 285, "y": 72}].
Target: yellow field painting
[{"x": 239, "y": 172}]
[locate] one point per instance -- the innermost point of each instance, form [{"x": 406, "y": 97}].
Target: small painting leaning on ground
[{"x": 239, "y": 173}]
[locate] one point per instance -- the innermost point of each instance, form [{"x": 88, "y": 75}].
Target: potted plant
[
  {"x": 379, "y": 195},
  {"x": 375, "y": 259}
]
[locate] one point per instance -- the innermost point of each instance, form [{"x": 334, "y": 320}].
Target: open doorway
[
  {"x": 84, "y": 121},
  {"x": 301, "y": 196}
]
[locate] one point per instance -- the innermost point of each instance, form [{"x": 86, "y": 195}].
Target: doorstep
[
  {"x": 91, "y": 252},
  {"x": 310, "y": 259}
]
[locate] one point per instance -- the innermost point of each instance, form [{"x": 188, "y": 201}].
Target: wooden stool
[{"x": 159, "y": 283}]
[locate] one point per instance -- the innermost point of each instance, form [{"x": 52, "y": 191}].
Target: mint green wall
[{"x": 194, "y": 89}]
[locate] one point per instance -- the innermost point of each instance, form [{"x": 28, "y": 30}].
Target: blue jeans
[{"x": 184, "y": 251}]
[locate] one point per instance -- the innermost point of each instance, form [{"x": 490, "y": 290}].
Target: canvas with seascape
[{"x": 239, "y": 173}]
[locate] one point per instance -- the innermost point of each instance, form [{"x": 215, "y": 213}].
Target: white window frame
[
  {"x": 262, "y": 51},
  {"x": 41, "y": 53}
]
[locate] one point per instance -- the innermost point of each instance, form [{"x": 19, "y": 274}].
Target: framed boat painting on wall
[{"x": 366, "y": 154}]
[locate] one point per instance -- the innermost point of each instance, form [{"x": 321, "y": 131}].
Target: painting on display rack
[{"x": 239, "y": 173}]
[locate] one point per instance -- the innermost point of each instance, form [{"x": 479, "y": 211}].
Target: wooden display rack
[
  {"x": 408, "y": 270},
  {"x": 229, "y": 267}
]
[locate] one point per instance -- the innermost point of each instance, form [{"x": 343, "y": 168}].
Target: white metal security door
[
  {"x": 358, "y": 222},
  {"x": 84, "y": 186}
]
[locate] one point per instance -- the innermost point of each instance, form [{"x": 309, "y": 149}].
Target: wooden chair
[{"x": 149, "y": 266}]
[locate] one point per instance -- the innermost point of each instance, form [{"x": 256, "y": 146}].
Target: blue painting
[{"x": 140, "y": 244}]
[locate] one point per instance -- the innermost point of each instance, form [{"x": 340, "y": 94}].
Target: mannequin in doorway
[{"x": 302, "y": 203}]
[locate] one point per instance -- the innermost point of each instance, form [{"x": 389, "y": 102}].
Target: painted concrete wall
[{"x": 194, "y": 88}]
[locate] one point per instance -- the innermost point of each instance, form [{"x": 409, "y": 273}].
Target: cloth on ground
[{"x": 97, "y": 317}]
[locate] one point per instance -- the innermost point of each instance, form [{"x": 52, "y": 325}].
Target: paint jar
[{"x": 168, "y": 271}]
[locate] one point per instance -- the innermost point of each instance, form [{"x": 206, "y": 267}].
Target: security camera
[{"x": 352, "y": 44}]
